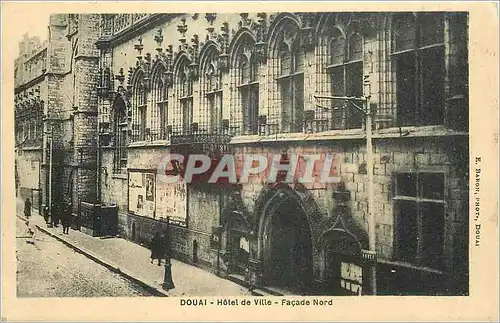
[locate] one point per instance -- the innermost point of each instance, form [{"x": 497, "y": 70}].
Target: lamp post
[
  {"x": 167, "y": 277},
  {"x": 366, "y": 110},
  {"x": 50, "y": 134}
]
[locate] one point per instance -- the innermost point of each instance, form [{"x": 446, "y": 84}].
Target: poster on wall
[
  {"x": 172, "y": 202},
  {"x": 351, "y": 277},
  {"x": 141, "y": 194},
  {"x": 150, "y": 187}
]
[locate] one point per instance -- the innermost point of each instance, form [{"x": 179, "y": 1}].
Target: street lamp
[
  {"x": 368, "y": 113},
  {"x": 50, "y": 134},
  {"x": 167, "y": 277}
]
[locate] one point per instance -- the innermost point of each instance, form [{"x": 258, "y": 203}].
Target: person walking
[
  {"x": 32, "y": 231},
  {"x": 157, "y": 248},
  {"x": 54, "y": 216},
  {"x": 27, "y": 208},
  {"x": 66, "y": 218},
  {"x": 46, "y": 214}
]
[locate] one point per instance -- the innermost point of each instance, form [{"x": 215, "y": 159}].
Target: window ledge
[
  {"x": 119, "y": 176},
  {"x": 394, "y": 132},
  {"x": 39, "y": 147},
  {"x": 145, "y": 144}
]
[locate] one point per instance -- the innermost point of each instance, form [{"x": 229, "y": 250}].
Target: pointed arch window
[
  {"x": 159, "y": 103},
  {"x": 417, "y": 53},
  {"x": 291, "y": 79},
  {"x": 248, "y": 87},
  {"x": 120, "y": 123},
  {"x": 346, "y": 76},
  {"x": 185, "y": 96},
  {"x": 211, "y": 116},
  {"x": 139, "y": 103}
]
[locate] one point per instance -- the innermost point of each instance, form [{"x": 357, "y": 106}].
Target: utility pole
[{"x": 371, "y": 254}]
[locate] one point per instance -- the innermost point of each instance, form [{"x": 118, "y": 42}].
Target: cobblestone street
[{"x": 51, "y": 269}]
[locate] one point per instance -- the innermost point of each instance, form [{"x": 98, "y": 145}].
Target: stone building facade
[
  {"x": 30, "y": 95},
  {"x": 58, "y": 82},
  {"x": 150, "y": 85},
  {"x": 249, "y": 84}
]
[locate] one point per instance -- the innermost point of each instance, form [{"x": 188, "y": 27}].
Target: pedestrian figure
[
  {"x": 157, "y": 248},
  {"x": 46, "y": 214},
  {"x": 55, "y": 215},
  {"x": 27, "y": 208},
  {"x": 66, "y": 218},
  {"x": 32, "y": 231}
]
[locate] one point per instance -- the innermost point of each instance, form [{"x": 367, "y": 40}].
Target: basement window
[{"x": 419, "y": 218}]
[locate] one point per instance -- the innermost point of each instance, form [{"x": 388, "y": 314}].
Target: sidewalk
[{"x": 133, "y": 262}]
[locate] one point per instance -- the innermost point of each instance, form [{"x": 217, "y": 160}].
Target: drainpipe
[
  {"x": 99, "y": 163},
  {"x": 51, "y": 134},
  {"x": 371, "y": 216}
]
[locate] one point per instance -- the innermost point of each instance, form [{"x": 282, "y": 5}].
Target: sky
[{"x": 35, "y": 25}]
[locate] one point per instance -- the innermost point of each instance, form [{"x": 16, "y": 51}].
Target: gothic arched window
[
  {"x": 211, "y": 114},
  {"x": 159, "y": 104},
  {"x": 418, "y": 63},
  {"x": 248, "y": 85},
  {"x": 185, "y": 95},
  {"x": 120, "y": 134},
  {"x": 346, "y": 76},
  {"x": 290, "y": 77},
  {"x": 139, "y": 105}
]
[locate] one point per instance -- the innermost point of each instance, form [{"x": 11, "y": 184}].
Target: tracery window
[
  {"x": 346, "y": 77},
  {"x": 120, "y": 134},
  {"x": 290, "y": 78},
  {"x": 139, "y": 106},
  {"x": 185, "y": 96},
  {"x": 248, "y": 87},
  {"x": 418, "y": 63},
  {"x": 159, "y": 104},
  {"x": 211, "y": 114}
]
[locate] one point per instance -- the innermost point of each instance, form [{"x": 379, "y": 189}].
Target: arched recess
[
  {"x": 282, "y": 225},
  {"x": 341, "y": 243},
  {"x": 236, "y": 235},
  {"x": 277, "y": 27}
]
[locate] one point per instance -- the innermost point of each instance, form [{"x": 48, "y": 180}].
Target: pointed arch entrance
[{"x": 285, "y": 245}]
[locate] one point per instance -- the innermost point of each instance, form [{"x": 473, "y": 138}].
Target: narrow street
[{"x": 51, "y": 269}]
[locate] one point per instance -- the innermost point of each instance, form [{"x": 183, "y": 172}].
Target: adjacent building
[{"x": 143, "y": 86}]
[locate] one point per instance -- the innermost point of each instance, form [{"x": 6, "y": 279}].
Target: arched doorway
[{"x": 286, "y": 244}]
